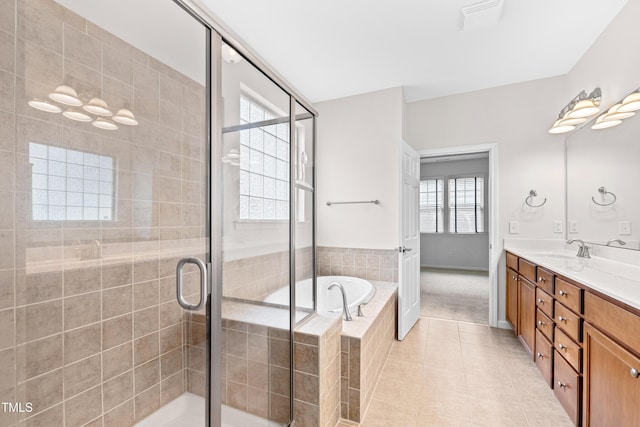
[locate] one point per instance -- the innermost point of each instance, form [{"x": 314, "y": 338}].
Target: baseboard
[
  {"x": 503, "y": 324},
  {"x": 455, "y": 267}
]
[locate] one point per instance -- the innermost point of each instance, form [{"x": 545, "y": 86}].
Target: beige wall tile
[
  {"x": 82, "y": 342},
  {"x": 306, "y": 358},
  {"x": 116, "y": 331},
  {"x": 117, "y": 275},
  {"x": 81, "y": 280},
  {"x": 117, "y": 360},
  {"x": 7, "y": 20},
  {"x": 38, "y": 320},
  {"x": 305, "y": 414},
  {"x": 120, "y": 416},
  {"x": 84, "y": 407},
  {"x": 51, "y": 417},
  {"x": 147, "y": 270},
  {"x": 37, "y": 63},
  {"x": 117, "y": 390},
  {"x": 171, "y": 363},
  {"x": 117, "y": 301},
  {"x": 146, "y": 348},
  {"x": 7, "y": 284},
  {"x": 197, "y": 358},
  {"x": 81, "y": 310},
  {"x": 7, "y": 46},
  {"x": 117, "y": 64},
  {"x": 279, "y": 352},
  {"x": 171, "y": 388},
  {"x": 147, "y": 375},
  {"x": 170, "y": 338},
  {"x": 7, "y": 87},
  {"x": 82, "y": 48},
  {"x": 170, "y": 314},
  {"x": 7, "y": 131},
  {"x": 237, "y": 395},
  {"x": 146, "y": 294},
  {"x": 43, "y": 391},
  {"x": 145, "y": 321},
  {"x": 307, "y": 388},
  {"x": 82, "y": 375},
  {"x": 37, "y": 357},
  {"x": 147, "y": 402},
  {"x": 34, "y": 288}
]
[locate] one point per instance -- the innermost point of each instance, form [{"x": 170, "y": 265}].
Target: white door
[{"x": 409, "y": 249}]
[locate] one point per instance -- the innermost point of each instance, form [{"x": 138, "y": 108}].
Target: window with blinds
[
  {"x": 432, "y": 206},
  {"x": 466, "y": 205}
]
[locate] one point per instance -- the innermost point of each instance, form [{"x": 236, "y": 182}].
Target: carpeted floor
[{"x": 455, "y": 295}]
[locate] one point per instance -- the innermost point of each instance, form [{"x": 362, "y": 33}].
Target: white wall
[
  {"x": 517, "y": 118},
  {"x": 463, "y": 251},
  {"x": 358, "y": 147}
]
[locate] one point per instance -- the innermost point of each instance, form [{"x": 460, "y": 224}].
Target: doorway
[{"x": 457, "y": 215}]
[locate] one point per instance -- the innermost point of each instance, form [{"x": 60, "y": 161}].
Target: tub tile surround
[
  {"x": 95, "y": 341},
  {"x": 370, "y": 264}
]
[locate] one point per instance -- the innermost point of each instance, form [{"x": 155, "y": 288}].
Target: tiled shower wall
[
  {"x": 96, "y": 341},
  {"x": 369, "y": 264}
]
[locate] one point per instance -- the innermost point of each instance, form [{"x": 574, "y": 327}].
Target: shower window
[
  {"x": 264, "y": 164},
  {"x": 70, "y": 185}
]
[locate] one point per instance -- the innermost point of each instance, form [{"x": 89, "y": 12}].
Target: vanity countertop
[{"x": 615, "y": 279}]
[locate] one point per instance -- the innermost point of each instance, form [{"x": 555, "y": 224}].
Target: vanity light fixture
[
  {"x": 603, "y": 122},
  {"x": 614, "y": 113},
  {"x": 46, "y": 106},
  {"x": 78, "y": 116},
  {"x": 66, "y": 95},
  {"x": 630, "y": 103},
  {"x": 98, "y": 107},
  {"x": 577, "y": 111},
  {"x": 125, "y": 117},
  {"x": 104, "y": 124}
]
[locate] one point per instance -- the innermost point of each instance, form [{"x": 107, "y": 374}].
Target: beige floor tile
[
  {"x": 491, "y": 413},
  {"x": 409, "y": 371},
  {"x": 431, "y": 420},
  {"x": 407, "y": 354},
  {"x": 474, "y": 328},
  {"x": 385, "y": 414},
  {"x": 399, "y": 391}
]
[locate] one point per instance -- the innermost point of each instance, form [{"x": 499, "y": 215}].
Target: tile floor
[{"x": 449, "y": 373}]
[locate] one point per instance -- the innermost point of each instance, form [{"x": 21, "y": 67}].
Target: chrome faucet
[
  {"x": 583, "y": 249},
  {"x": 618, "y": 241},
  {"x": 345, "y": 306}
]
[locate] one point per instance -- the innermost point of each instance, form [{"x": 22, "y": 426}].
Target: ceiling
[{"x": 335, "y": 48}]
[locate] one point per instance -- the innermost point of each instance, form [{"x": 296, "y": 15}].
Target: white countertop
[{"x": 618, "y": 280}]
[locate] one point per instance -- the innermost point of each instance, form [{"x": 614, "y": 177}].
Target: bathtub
[{"x": 358, "y": 291}]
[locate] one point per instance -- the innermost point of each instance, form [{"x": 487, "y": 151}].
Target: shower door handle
[{"x": 203, "y": 284}]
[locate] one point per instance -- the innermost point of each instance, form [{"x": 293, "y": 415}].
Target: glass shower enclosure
[{"x": 156, "y": 207}]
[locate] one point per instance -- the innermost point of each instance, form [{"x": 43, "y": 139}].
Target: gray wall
[{"x": 461, "y": 251}]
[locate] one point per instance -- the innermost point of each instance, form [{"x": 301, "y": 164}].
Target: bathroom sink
[{"x": 552, "y": 255}]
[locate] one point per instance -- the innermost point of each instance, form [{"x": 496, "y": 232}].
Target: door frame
[{"x": 494, "y": 250}]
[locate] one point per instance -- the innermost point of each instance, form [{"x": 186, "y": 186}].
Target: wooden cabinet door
[
  {"x": 612, "y": 385},
  {"x": 526, "y": 313},
  {"x": 512, "y": 299}
]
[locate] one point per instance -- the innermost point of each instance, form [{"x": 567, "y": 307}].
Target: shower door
[{"x": 104, "y": 188}]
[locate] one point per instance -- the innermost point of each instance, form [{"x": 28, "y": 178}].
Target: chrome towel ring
[
  {"x": 604, "y": 192},
  {"x": 533, "y": 194}
]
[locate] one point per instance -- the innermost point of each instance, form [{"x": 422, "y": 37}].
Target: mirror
[{"x": 603, "y": 175}]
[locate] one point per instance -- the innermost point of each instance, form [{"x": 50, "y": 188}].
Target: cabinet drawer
[
  {"x": 545, "y": 280},
  {"x": 544, "y": 302},
  {"x": 616, "y": 321},
  {"x": 527, "y": 269},
  {"x": 569, "y": 294},
  {"x": 571, "y": 351},
  {"x": 545, "y": 324},
  {"x": 544, "y": 357},
  {"x": 512, "y": 261},
  {"x": 567, "y": 387},
  {"x": 568, "y": 321}
]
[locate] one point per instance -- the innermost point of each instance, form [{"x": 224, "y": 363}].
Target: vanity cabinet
[
  {"x": 585, "y": 344},
  {"x": 612, "y": 364}
]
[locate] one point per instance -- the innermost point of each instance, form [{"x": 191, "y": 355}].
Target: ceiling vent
[{"x": 481, "y": 15}]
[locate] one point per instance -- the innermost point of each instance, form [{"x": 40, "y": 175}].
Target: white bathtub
[{"x": 358, "y": 291}]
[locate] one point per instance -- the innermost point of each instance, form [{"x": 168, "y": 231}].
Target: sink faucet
[
  {"x": 345, "y": 306},
  {"x": 583, "y": 249},
  {"x": 618, "y": 241}
]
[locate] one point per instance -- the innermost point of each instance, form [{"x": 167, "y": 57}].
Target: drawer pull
[
  {"x": 563, "y": 293},
  {"x": 540, "y": 356},
  {"x": 634, "y": 373},
  {"x": 541, "y": 279},
  {"x": 540, "y": 301},
  {"x": 562, "y": 319},
  {"x": 562, "y": 385},
  {"x": 562, "y": 346},
  {"x": 541, "y": 323}
]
